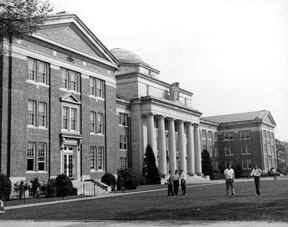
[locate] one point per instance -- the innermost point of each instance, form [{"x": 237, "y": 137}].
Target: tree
[
  {"x": 5, "y": 187},
  {"x": 150, "y": 170},
  {"x": 63, "y": 185},
  {"x": 282, "y": 154},
  {"x": 206, "y": 163},
  {"x": 18, "y": 19}
]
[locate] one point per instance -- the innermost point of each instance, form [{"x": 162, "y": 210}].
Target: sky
[{"x": 231, "y": 54}]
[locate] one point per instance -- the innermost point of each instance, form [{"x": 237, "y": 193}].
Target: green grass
[{"x": 201, "y": 203}]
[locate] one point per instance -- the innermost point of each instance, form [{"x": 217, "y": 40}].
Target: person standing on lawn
[
  {"x": 183, "y": 182},
  {"x": 256, "y": 173},
  {"x": 175, "y": 178},
  {"x": 170, "y": 184},
  {"x": 229, "y": 179}
]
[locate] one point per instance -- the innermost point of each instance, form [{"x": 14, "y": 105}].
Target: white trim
[
  {"x": 61, "y": 45},
  {"x": 61, "y": 63}
]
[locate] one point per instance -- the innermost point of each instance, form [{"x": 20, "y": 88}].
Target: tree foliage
[
  {"x": 282, "y": 154},
  {"x": 5, "y": 187},
  {"x": 19, "y": 18},
  {"x": 150, "y": 170},
  {"x": 207, "y": 168}
]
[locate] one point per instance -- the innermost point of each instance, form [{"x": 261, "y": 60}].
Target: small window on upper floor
[
  {"x": 123, "y": 119},
  {"x": 38, "y": 71},
  {"x": 97, "y": 87},
  {"x": 70, "y": 80}
]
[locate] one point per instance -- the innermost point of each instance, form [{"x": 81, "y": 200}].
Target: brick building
[
  {"x": 72, "y": 106},
  {"x": 243, "y": 140}
]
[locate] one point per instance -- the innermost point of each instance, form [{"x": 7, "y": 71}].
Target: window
[
  {"x": 244, "y": 134},
  {"x": 73, "y": 119},
  {"x": 229, "y": 162},
  {"x": 215, "y": 136},
  {"x": 97, "y": 87},
  {"x": 38, "y": 71},
  {"x": 123, "y": 142},
  {"x": 100, "y": 158},
  {"x": 216, "y": 164},
  {"x": 93, "y": 151},
  {"x": 65, "y": 117},
  {"x": 228, "y": 135},
  {"x": 42, "y": 114},
  {"x": 209, "y": 135},
  {"x": 204, "y": 134},
  {"x": 70, "y": 80},
  {"x": 123, "y": 119},
  {"x": 31, "y": 156},
  {"x": 245, "y": 149},
  {"x": 93, "y": 122},
  {"x": 100, "y": 123},
  {"x": 246, "y": 164},
  {"x": 42, "y": 156},
  {"x": 229, "y": 151},
  {"x": 265, "y": 135},
  {"x": 70, "y": 118},
  {"x": 97, "y": 158},
  {"x": 123, "y": 163},
  {"x": 32, "y": 112}
]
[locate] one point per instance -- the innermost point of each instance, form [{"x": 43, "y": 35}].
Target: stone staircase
[
  {"x": 197, "y": 179},
  {"x": 91, "y": 187}
]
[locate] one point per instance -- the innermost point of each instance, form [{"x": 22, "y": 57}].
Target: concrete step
[{"x": 87, "y": 188}]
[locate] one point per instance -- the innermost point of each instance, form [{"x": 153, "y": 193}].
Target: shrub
[
  {"x": 129, "y": 179},
  {"x": 50, "y": 188},
  {"x": 109, "y": 179},
  {"x": 5, "y": 187},
  {"x": 150, "y": 170},
  {"x": 63, "y": 185}
]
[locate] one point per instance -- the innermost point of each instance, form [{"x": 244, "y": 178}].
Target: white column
[
  {"x": 182, "y": 147},
  {"x": 198, "y": 164},
  {"x": 162, "y": 146},
  {"x": 190, "y": 150},
  {"x": 151, "y": 134},
  {"x": 172, "y": 145}
]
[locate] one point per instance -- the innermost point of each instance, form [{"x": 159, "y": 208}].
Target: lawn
[{"x": 206, "y": 202}]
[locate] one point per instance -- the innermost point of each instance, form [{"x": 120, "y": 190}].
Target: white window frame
[
  {"x": 67, "y": 83},
  {"x": 70, "y": 126},
  {"x": 32, "y": 114}
]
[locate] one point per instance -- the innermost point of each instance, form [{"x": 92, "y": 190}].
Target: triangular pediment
[
  {"x": 68, "y": 31},
  {"x": 70, "y": 98},
  {"x": 268, "y": 119}
]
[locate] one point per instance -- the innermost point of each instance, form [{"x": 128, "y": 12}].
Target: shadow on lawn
[{"x": 273, "y": 211}]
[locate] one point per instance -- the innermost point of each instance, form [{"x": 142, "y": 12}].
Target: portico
[{"x": 171, "y": 129}]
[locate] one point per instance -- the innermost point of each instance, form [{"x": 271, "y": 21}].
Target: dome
[{"x": 125, "y": 56}]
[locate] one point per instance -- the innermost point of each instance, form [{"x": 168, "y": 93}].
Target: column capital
[{"x": 158, "y": 116}]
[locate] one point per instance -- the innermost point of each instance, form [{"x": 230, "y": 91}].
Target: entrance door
[{"x": 69, "y": 161}]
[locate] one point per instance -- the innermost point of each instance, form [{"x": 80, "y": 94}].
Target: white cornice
[{"x": 22, "y": 53}]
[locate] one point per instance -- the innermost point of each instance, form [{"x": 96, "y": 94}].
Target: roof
[
  {"x": 248, "y": 116},
  {"x": 125, "y": 56}
]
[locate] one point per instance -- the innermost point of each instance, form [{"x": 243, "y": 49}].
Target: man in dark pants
[
  {"x": 256, "y": 173},
  {"x": 175, "y": 178},
  {"x": 170, "y": 184},
  {"x": 183, "y": 182}
]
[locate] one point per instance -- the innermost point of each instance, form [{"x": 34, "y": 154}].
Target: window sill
[
  {"x": 38, "y": 84},
  {"x": 96, "y": 98},
  {"x": 96, "y": 171},
  {"x": 71, "y": 91}
]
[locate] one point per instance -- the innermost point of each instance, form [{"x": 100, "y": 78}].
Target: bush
[
  {"x": 5, "y": 187},
  {"x": 109, "y": 179},
  {"x": 128, "y": 179},
  {"x": 50, "y": 188},
  {"x": 63, "y": 185}
]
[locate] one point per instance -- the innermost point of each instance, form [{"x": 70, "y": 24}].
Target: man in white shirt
[
  {"x": 256, "y": 173},
  {"x": 183, "y": 182},
  {"x": 229, "y": 178}
]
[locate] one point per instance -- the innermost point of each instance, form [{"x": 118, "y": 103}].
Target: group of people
[
  {"x": 174, "y": 179},
  {"x": 230, "y": 176}
]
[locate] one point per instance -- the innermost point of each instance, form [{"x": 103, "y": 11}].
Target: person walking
[
  {"x": 274, "y": 172},
  {"x": 229, "y": 179},
  {"x": 175, "y": 178},
  {"x": 183, "y": 182},
  {"x": 170, "y": 184},
  {"x": 256, "y": 173}
]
